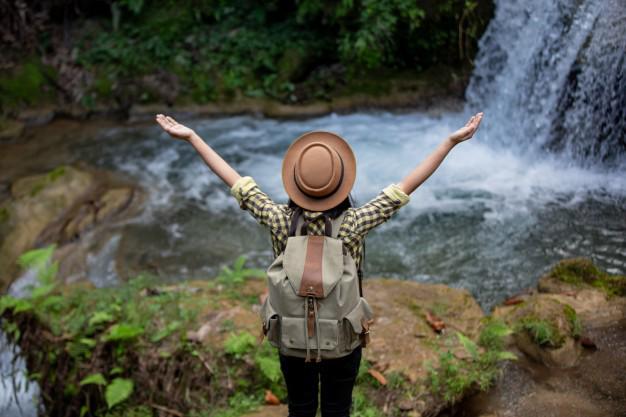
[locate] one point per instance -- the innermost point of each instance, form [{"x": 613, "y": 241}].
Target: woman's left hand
[{"x": 467, "y": 131}]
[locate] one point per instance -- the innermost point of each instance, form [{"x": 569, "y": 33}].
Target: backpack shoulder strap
[
  {"x": 293, "y": 223},
  {"x": 336, "y": 224}
]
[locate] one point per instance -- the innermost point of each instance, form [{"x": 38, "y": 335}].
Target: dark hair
[{"x": 333, "y": 212}]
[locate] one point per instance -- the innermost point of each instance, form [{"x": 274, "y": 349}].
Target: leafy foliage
[
  {"x": 454, "y": 376},
  {"x": 238, "y": 274},
  {"x": 118, "y": 390},
  {"x": 239, "y": 344}
]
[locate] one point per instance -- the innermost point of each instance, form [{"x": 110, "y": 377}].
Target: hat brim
[{"x": 349, "y": 171}]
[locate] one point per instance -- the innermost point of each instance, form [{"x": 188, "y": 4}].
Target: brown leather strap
[{"x": 311, "y": 283}]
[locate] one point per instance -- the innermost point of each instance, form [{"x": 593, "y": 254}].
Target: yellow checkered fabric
[{"x": 357, "y": 222}]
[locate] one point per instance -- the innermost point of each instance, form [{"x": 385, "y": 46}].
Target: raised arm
[
  {"x": 425, "y": 169},
  {"x": 211, "y": 158}
]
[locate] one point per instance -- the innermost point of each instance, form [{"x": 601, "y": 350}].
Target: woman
[{"x": 318, "y": 172}]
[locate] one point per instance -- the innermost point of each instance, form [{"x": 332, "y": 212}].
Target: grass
[{"x": 541, "y": 331}]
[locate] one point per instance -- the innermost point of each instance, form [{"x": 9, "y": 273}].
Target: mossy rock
[
  {"x": 578, "y": 273},
  {"x": 546, "y": 329}
]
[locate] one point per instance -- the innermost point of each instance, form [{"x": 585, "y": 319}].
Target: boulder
[
  {"x": 546, "y": 329},
  {"x": 59, "y": 207},
  {"x": 10, "y": 129}
]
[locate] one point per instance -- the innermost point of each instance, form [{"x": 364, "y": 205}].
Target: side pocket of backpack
[
  {"x": 271, "y": 323},
  {"x": 355, "y": 333}
]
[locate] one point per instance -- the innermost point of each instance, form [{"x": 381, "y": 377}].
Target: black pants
[{"x": 337, "y": 378}]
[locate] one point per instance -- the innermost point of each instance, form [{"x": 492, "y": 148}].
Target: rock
[
  {"x": 399, "y": 315},
  {"x": 59, "y": 207},
  {"x": 10, "y": 129},
  {"x": 545, "y": 329},
  {"x": 36, "y": 116}
]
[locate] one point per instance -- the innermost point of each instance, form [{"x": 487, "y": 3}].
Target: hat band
[{"x": 301, "y": 188}]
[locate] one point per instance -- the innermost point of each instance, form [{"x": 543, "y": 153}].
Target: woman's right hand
[{"x": 175, "y": 129}]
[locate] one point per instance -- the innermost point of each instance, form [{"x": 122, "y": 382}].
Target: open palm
[
  {"x": 467, "y": 131},
  {"x": 175, "y": 129}
]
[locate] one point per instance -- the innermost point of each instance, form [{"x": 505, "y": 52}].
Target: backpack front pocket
[{"x": 293, "y": 336}]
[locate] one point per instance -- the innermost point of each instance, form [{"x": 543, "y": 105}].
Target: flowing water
[{"x": 543, "y": 179}]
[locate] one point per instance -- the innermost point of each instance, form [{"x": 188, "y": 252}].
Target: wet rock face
[{"x": 60, "y": 207}]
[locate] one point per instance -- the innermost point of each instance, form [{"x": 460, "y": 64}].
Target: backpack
[{"x": 315, "y": 300}]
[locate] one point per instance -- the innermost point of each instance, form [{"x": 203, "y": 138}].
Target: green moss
[
  {"x": 51, "y": 176},
  {"x": 4, "y": 215},
  {"x": 580, "y": 271},
  {"x": 56, "y": 173}
]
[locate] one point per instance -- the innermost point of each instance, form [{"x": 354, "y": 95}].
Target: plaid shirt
[{"x": 356, "y": 224}]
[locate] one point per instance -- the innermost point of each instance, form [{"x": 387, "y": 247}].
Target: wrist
[
  {"x": 450, "y": 142},
  {"x": 194, "y": 138}
]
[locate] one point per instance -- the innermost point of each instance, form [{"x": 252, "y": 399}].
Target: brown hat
[{"x": 319, "y": 169}]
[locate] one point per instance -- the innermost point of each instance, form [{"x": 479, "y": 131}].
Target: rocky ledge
[{"x": 154, "y": 349}]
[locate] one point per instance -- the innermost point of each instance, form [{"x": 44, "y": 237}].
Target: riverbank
[
  {"x": 438, "y": 90},
  {"x": 148, "y": 348}
]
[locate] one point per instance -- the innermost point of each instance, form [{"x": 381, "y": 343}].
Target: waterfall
[{"x": 551, "y": 75}]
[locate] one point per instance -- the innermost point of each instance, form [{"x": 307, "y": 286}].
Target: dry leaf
[
  {"x": 270, "y": 398},
  {"x": 516, "y": 299},
  {"x": 378, "y": 376},
  {"x": 435, "y": 322}
]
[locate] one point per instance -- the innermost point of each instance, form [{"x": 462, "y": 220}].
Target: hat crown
[{"x": 318, "y": 170}]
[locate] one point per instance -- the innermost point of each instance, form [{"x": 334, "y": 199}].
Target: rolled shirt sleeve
[
  {"x": 260, "y": 205},
  {"x": 379, "y": 209}
]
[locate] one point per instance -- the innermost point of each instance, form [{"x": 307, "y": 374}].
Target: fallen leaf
[
  {"x": 378, "y": 376},
  {"x": 588, "y": 343},
  {"x": 270, "y": 398},
  {"x": 435, "y": 322},
  {"x": 516, "y": 299}
]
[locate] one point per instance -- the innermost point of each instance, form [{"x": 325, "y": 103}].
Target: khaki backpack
[{"x": 315, "y": 300}]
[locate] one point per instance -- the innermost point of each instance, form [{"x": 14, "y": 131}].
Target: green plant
[
  {"x": 454, "y": 376},
  {"x": 238, "y": 274},
  {"x": 362, "y": 406},
  {"x": 576, "y": 327},
  {"x": 118, "y": 390},
  {"x": 541, "y": 331},
  {"x": 240, "y": 344}
]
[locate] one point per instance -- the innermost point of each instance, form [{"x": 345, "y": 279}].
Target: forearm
[
  {"x": 425, "y": 169},
  {"x": 221, "y": 168}
]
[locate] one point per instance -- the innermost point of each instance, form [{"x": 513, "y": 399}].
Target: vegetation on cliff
[
  {"x": 191, "y": 349},
  {"x": 116, "y": 53}
]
